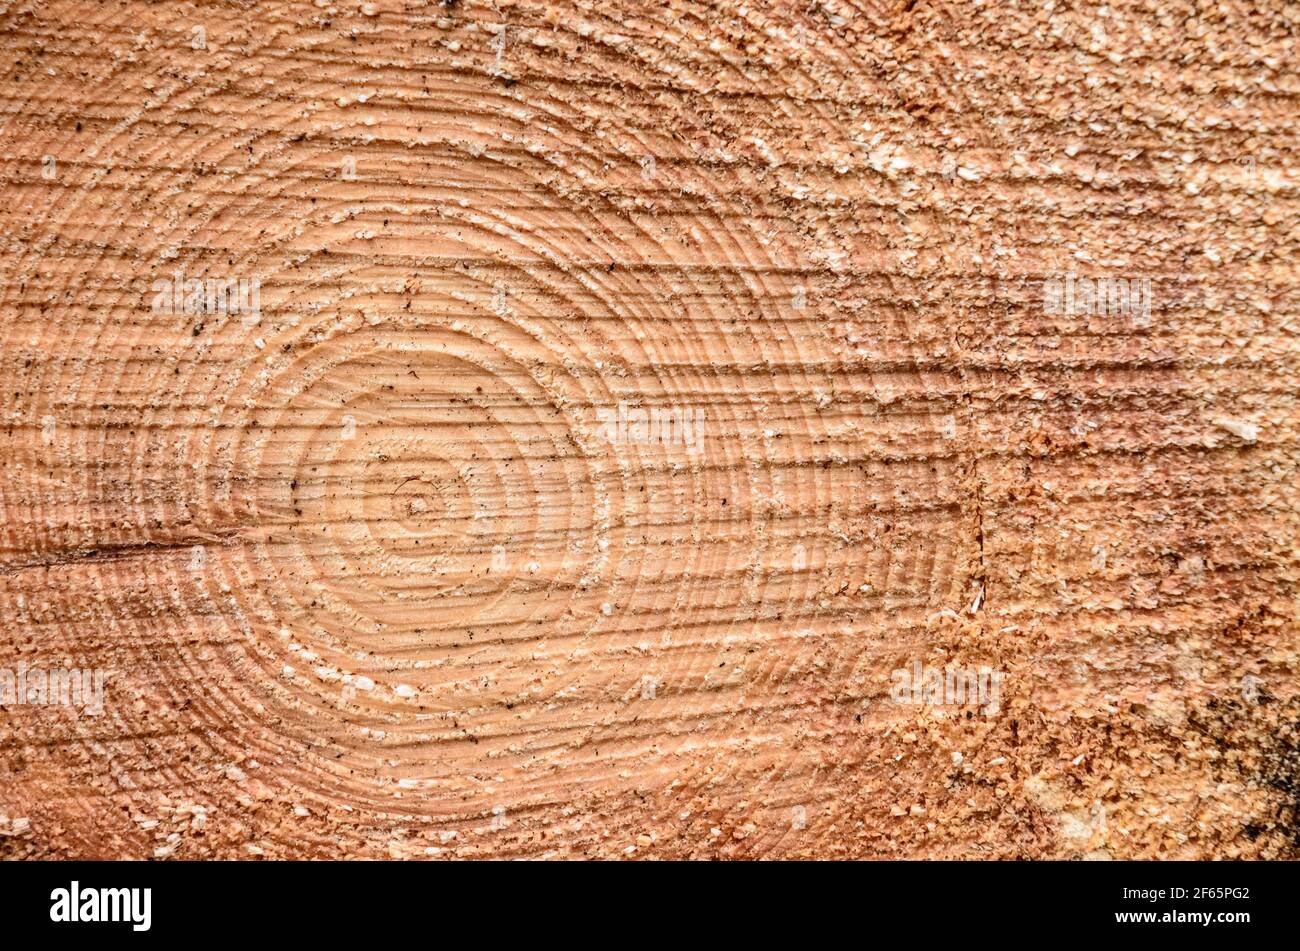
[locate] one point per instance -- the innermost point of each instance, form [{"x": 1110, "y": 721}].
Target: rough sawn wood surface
[{"x": 620, "y": 396}]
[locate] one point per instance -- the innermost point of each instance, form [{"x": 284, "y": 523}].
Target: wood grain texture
[{"x": 383, "y": 560}]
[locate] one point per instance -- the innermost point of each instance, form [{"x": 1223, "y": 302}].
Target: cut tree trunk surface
[{"x": 744, "y": 430}]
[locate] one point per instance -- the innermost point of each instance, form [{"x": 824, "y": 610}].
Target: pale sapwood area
[{"x": 745, "y": 429}]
